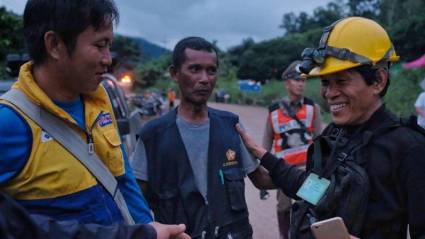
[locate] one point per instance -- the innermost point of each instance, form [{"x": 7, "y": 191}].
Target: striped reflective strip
[
  {"x": 290, "y": 151},
  {"x": 309, "y": 116},
  {"x": 275, "y": 121}
]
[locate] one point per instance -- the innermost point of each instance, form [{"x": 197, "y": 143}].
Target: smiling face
[
  {"x": 351, "y": 101},
  {"x": 197, "y": 76},
  {"x": 84, "y": 67}
]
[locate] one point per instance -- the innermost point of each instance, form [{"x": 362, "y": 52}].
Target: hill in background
[{"x": 149, "y": 49}]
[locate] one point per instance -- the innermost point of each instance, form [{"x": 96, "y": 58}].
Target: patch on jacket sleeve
[{"x": 105, "y": 119}]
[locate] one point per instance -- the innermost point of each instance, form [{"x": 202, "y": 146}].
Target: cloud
[{"x": 164, "y": 22}]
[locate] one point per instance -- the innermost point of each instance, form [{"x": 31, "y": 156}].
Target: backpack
[{"x": 348, "y": 193}]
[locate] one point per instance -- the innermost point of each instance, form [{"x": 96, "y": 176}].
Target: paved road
[{"x": 262, "y": 213}]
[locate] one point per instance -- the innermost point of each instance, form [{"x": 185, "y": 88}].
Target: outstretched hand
[
  {"x": 164, "y": 231},
  {"x": 250, "y": 144}
]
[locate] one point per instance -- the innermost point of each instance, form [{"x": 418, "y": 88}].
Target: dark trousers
[{"x": 283, "y": 219}]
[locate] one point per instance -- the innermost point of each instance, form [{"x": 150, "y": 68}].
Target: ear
[
  {"x": 381, "y": 80},
  {"x": 54, "y": 45},
  {"x": 173, "y": 72}
]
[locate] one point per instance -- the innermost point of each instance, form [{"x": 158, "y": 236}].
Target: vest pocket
[
  {"x": 235, "y": 188},
  {"x": 169, "y": 208}
]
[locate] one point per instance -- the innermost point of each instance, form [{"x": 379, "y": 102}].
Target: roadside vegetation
[{"x": 264, "y": 61}]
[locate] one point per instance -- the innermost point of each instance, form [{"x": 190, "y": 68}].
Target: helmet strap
[{"x": 346, "y": 54}]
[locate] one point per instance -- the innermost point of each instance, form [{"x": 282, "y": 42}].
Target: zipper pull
[
  {"x": 216, "y": 231},
  {"x": 90, "y": 144}
]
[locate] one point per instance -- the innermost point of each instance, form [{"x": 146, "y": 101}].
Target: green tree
[
  {"x": 127, "y": 50},
  {"x": 11, "y": 37},
  {"x": 236, "y": 52},
  {"x": 405, "y": 22},
  {"x": 364, "y": 8},
  {"x": 267, "y": 60},
  {"x": 149, "y": 73},
  {"x": 322, "y": 16}
]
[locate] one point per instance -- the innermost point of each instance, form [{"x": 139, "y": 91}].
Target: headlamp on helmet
[{"x": 311, "y": 58}]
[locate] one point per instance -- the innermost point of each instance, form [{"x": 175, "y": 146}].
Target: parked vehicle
[
  {"x": 121, "y": 110},
  {"x": 149, "y": 104},
  {"x": 13, "y": 63}
]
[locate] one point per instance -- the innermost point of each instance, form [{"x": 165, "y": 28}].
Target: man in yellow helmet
[{"x": 367, "y": 166}]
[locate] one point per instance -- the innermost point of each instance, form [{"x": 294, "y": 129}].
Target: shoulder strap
[
  {"x": 356, "y": 144},
  {"x": 273, "y": 107},
  {"x": 70, "y": 140},
  {"x": 308, "y": 101}
]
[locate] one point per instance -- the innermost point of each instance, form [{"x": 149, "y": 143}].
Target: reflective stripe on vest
[{"x": 283, "y": 124}]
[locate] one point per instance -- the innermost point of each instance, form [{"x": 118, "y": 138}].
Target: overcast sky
[{"x": 164, "y": 22}]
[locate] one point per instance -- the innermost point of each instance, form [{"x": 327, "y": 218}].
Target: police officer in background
[
  {"x": 292, "y": 123},
  {"x": 367, "y": 166}
]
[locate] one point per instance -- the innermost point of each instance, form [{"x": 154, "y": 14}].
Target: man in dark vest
[
  {"x": 367, "y": 166},
  {"x": 191, "y": 162}
]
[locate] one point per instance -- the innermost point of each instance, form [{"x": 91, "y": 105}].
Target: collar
[
  {"x": 380, "y": 118},
  {"x": 294, "y": 104},
  {"x": 27, "y": 84}
]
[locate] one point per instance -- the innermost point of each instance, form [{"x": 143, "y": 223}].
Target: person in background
[
  {"x": 171, "y": 96},
  {"x": 292, "y": 123},
  {"x": 420, "y": 107}
]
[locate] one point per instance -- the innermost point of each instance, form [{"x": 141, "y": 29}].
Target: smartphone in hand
[{"x": 332, "y": 228}]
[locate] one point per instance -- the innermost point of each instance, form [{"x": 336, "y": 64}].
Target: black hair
[
  {"x": 369, "y": 75},
  {"x": 194, "y": 43},
  {"x": 67, "y": 18}
]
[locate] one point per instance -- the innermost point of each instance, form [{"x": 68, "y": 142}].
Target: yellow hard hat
[{"x": 347, "y": 43}]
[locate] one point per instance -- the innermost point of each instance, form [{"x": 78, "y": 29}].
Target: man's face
[
  {"x": 295, "y": 87},
  {"x": 83, "y": 68},
  {"x": 350, "y": 100},
  {"x": 197, "y": 76}
]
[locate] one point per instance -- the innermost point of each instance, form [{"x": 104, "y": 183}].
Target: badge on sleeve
[
  {"x": 313, "y": 188},
  {"x": 105, "y": 119}
]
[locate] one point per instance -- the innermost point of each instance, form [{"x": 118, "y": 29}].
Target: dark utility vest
[{"x": 173, "y": 194}]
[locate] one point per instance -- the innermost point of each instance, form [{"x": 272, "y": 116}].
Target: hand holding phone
[{"x": 332, "y": 228}]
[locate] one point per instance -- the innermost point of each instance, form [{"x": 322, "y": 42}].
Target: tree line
[
  {"x": 403, "y": 20},
  {"x": 261, "y": 61}
]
